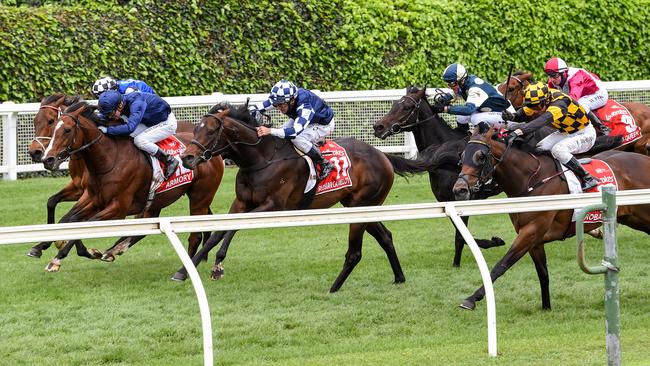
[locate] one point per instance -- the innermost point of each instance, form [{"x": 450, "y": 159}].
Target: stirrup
[
  {"x": 170, "y": 169},
  {"x": 325, "y": 169},
  {"x": 589, "y": 184}
]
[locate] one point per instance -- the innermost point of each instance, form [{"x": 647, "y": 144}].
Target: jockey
[
  {"x": 123, "y": 86},
  {"x": 483, "y": 103},
  {"x": 574, "y": 133},
  {"x": 149, "y": 120},
  {"x": 310, "y": 119},
  {"x": 581, "y": 85}
]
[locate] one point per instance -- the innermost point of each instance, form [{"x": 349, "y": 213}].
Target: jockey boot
[
  {"x": 593, "y": 118},
  {"x": 325, "y": 166},
  {"x": 588, "y": 181},
  {"x": 170, "y": 163}
]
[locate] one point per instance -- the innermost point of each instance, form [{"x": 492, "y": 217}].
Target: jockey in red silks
[{"x": 581, "y": 85}]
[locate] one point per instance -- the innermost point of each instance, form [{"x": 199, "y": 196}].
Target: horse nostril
[
  {"x": 379, "y": 128},
  {"x": 36, "y": 155}
]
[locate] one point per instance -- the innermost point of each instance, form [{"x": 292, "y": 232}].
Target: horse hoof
[
  {"x": 108, "y": 257},
  {"x": 596, "y": 233},
  {"x": 468, "y": 305},
  {"x": 179, "y": 276},
  {"x": 53, "y": 266},
  {"x": 35, "y": 253},
  {"x": 399, "y": 280},
  {"x": 217, "y": 272},
  {"x": 497, "y": 242},
  {"x": 95, "y": 254}
]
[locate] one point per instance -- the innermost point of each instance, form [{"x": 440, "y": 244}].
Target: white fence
[
  {"x": 356, "y": 111},
  {"x": 172, "y": 225}
]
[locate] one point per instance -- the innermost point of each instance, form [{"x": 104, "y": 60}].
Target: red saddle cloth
[
  {"x": 605, "y": 176},
  {"x": 175, "y": 148},
  {"x": 615, "y": 116},
  {"x": 339, "y": 177}
]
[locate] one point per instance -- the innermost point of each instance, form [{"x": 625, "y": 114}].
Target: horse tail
[
  {"x": 407, "y": 167},
  {"x": 604, "y": 143}
]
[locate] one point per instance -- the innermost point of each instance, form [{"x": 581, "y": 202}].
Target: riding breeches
[
  {"x": 594, "y": 101},
  {"x": 563, "y": 146},
  {"x": 310, "y": 134},
  {"x": 494, "y": 119},
  {"x": 145, "y": 138}
]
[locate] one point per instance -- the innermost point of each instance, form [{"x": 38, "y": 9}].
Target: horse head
[
  {"x": 479, "y": 162},
  {"x": 74, "y": 131},
  {"x": 403, "y": 113},
  {"x": 48, "y": 113},
  {"x": 220, "y": 131},
  {"x": 516, "y": 86}
]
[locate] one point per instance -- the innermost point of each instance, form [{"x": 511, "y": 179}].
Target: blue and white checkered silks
[
  {"x": 282, "y": 92},
  {"x": 454, "y": 73}
]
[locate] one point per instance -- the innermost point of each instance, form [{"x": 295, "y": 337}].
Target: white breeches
[
  {"x": 594, "y": 101},
  {"x": 145, "y": 138},
  {"x": 563, "y": 146},
  {"x": 312, "y": 133},
  {"x": 492, "y": 118}
]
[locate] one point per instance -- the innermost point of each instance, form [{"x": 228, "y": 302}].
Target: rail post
[{"x": 608, "y": 267}]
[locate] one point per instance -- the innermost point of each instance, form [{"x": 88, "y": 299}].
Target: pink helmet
[{"x": 555, "y": 64}]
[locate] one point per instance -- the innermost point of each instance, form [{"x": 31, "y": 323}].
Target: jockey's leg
[
  {"x": 493, "y": 119},
  {"x": 576, "y": 143},
  {"x": 592, "y": 102},
  {"x": 304, "y": 142},
  {"x": 146, "y": 140}
]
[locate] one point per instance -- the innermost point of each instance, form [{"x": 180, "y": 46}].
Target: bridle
[
  {"x": 47, "y": 138},
  {"x": 69, "y": 150},
  {"x": 396, "y": 128},
  {"x": 487, "y": 169},
  {"x": 208, "y": 152}
]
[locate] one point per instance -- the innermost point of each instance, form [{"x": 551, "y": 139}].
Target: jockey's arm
[
  {"x": 136, "y": 108},
  {"x": 263, "y": 106},
  {"x": 305, "y": 115},
  {"x": 539, "y": 122},
  {"x": 462, "y": 110}
]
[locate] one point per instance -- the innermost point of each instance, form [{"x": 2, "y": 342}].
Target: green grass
[{"x": 272, "y": 307}]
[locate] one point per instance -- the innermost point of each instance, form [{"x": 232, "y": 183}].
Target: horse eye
[
  {"x": 478, "y": 157},
  {"x": 50, "y": 122},
  {"x": 67, "y": 130}
]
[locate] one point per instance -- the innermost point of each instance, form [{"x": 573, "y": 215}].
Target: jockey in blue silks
[
  {"x": 483, "y": 103},
  {"x": 149, "y": 120},
  {"x": 123, "y": 86},
  {"x": 310, "y": 119}
]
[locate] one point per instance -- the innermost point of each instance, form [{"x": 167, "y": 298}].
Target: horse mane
[
  {"x": 88, "y": 112},
  {"x": 523, "y": 72},
  {"x": 238, "y": 112},
  {"x": 69, "y": 99},
  {"x": 53, "y": 98}
]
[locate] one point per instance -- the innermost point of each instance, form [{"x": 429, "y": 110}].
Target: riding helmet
[
  {"x": 282, "y": 92},
  {"x": 109, "y": 101}
]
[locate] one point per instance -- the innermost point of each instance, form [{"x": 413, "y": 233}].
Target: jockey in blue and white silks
[
  {"x": 310, "y": 119},
  {"x": 123, "y": 86},
  {"x": 149, "y": 119},
  {"x": 483, "y": 103}
]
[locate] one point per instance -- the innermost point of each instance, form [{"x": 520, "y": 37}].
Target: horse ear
[
  {"x": 482, "y": 127},
  {"x": 528, "y": 76}
]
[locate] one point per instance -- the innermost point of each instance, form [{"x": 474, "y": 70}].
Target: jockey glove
[
  {"x": 438, "y": 108},
  {"x": 102, "y": 128},
  {"x": 446, "y": 98},
  {"x": 506, "y": 115},
  {"x": 513, "y": 135}
]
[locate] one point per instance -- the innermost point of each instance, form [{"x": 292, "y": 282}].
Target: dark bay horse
[
  {"x": 515, "y": 170},
  {"x": 119, "y": 177},
  {"x": 435, "y": 138},
  {"x": 272, "y": 177},
  {"x": 641, "y": 112},
  {"x": 44, "y": 122}
]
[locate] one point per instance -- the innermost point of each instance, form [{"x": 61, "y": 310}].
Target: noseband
[
  {"x": 487, "y": 169},
  {"x": 208, "y": 153},
  {"x": 58, "y": 115}
]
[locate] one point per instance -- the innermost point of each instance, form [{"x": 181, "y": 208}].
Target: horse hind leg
[
  {"x": 213, "y": 240},
  {"x": 482, "y": 243},
  {"x": 385, "y": 239},
  {"x": 353, "y": 255}
]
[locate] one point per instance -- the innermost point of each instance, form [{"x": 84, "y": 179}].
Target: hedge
[{"x": 233, "y": 46}]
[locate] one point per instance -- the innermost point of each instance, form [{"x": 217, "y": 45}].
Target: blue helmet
[
  {"x": 454, "y": 73},
  {"x": 282, "y": 92},
  {"x": 109, "y": 101}
]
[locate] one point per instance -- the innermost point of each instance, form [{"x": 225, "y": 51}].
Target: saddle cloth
[
  {"x": 339, "y": 177},
  {"x": 599, "y": 170},
  {"x": 615, "y": 116},
  {"x": 182, "y": 175}
]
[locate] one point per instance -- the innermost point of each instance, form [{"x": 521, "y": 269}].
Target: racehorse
[
  {"x": 44, "y": 122},
  {"x": 641, "y": 112},
  {"x": 272, "y": 176},
  {"x": 119, "y": 177},
  {"x": 444, "y": 144},
  {"x": 516, "y": 171}
]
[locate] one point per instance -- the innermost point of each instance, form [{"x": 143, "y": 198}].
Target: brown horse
[
  {"x": 516, "y": 170},
  {"x": 272, "y": 177},
  {"x": 44, "y": 122},
  {"x": 641, "y": 112},
  {"x": 119, "y": 177},
  {"x": 413, "y": 113}
]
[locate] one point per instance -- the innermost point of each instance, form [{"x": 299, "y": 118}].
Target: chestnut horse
[
  {"x": 413, "y": 113},
  {"x": 119, "y": 177},
  {"x": 44, "y": 122},
  {"x": 516, "y": 170},
  {"x": 272, "y": 176},
  {"x": 641, "y": 112}
]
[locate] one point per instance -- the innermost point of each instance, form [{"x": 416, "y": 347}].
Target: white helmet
[
  {"x": 104, "y": 84},
  {"x": 282, "y": 92}
]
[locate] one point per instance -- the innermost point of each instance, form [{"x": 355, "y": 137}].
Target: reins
[{"x": 69, "y": 150}]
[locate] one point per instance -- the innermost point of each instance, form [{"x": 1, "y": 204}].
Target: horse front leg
[
  {"x": 126, "y": 242},
  {"x": 522, "y": 243},
  {"x": 538, "y": 254},
  {"x": 71, "y": 192}
]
